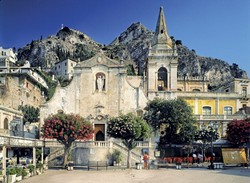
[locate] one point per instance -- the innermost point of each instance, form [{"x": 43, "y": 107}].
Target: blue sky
[{"x": 214, "y": 28}]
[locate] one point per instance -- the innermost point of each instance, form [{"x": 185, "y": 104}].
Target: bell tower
[{"x": 162, "y": 60}]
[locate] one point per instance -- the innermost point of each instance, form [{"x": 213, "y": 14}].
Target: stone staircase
[
  {"x": 135, "y": 157},
  {"x": 117, "y": 145}
]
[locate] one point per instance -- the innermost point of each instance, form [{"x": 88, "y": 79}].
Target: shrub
[
  {"x": 31, "y": 168},
  {"x": 24, "y": 173},
  {"x": 39, "y": 166},
  {"x": 11, "y": 171},
  {"x": 117, "y": 156},
  {"x": 19, "y": 171}
]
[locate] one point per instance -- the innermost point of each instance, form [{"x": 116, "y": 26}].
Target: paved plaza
[{"x": 191, "y": 175}]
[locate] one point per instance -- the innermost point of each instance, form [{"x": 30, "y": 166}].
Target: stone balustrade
[
  {"x": 219, "y": 117},
  {"x": 20, "y": 142}
]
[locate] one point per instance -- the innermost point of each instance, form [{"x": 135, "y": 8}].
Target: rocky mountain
[
  {"x": 67, "y": 43},
  {"x": 131, "y": 46}
]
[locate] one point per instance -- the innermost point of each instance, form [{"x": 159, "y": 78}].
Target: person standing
[{"x": 145, "y": 160}]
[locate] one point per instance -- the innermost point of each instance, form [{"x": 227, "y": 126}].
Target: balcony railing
[
  {"x": 219, "y": 117},
  {"x": 20, "y": 142}
]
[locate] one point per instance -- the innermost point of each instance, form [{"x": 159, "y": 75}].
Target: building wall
[
  {"x": 7, "y": 57},
  {"x": 65, "y": 68},
  {"x": 18, "y": 90},
  {"x": 8, "y": 115},
  {"x": 82, "y": 96}
]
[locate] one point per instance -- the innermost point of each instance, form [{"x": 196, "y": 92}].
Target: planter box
[
  {"x": 1, "y": 178},
  {"x": 11, "y": 178},
  {"x": 178, "y": 165},
  {"x": 19, "y": 178}
]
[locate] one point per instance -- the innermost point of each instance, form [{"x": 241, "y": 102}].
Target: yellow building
[{"x": 219, "y": 105}]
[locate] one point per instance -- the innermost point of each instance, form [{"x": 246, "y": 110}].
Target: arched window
[
  {"x": 162, "y": 79},
  {"x": 100, "y": 82},
  {"x": 6, "y": 124},
  {"x": 228, "y": 110},
  {"x": 206, "y": 110},
  {"x": 178, "y": 89}
]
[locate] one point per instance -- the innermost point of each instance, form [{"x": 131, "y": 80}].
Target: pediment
[{"x": 100, "y": 59}]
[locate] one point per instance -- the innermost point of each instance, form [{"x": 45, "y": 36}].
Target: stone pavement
[{"x": 186, "y": 175}]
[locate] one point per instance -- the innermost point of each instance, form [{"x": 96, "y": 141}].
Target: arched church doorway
[
  {"x": 99, "y": 136},
  {"x": 162, "y": 79},
  {"x": 99, "y": 132}
]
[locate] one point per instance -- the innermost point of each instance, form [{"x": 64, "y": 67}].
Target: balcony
[{"x": 219, "y": 117}]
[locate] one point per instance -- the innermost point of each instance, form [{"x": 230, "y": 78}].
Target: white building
[
  {"x": 7, "y": 57},
  {"x": 64, "y": 68}
]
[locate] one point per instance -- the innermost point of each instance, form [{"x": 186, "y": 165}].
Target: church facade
[{"x": 101, "y": 88}]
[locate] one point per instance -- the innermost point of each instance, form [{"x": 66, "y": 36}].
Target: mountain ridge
[{"x": 132, "y": 46}]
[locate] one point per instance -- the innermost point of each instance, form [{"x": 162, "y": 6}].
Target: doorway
[{"x": 99, "y": 132}]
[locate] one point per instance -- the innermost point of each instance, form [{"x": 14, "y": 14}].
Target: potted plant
[
  {"x": 24, "y": 173},
  {"x": 39, "y": 168},
  {"x": 1, "y": 176},
  {"x": 117, "y": 157},
  {"x": 31, "y": 169},
  {"x": 19, "y": 173},
  {"x": 178, "y": 162},
  {"x": 11, "y": 172}
]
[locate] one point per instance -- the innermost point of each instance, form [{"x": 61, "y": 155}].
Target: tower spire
[{"x": 161, "y": 33}]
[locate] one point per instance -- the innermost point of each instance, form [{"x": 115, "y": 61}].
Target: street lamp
[
  {"x": 203, "y": 148},
  {"x": 213, "y": 132}
]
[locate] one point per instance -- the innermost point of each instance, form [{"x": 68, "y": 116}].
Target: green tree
[
  {"x": 206, "y": 136},
  {"x": 175, "y": 116},
  {"x": 63, "y": 81},
  {"x": 129, "y": 128},
  {"x": 66, "y": 128},
  {"x": 30, "y": 113},
  {"x": 130, "y": 70}
]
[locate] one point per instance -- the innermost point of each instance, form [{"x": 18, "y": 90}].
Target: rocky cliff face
[
  {"x": 131, "y": 46},
  {"x": 217, "y": 71},
  {"x": 67, "y": 43}
]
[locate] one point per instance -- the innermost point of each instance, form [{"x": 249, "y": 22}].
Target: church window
[
  {"x": 100, "y": 82},
  {"x": 161, "y": 31},
  {"x": 244, "y": 91},
  {"x": 206, "y": 110},
  {"x": 228, "y": 110},
  {"x": 6, "y": 124},
  {"x": 162, "y": 79}
]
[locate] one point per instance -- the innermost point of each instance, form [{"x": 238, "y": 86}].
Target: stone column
[
  {"x": 34, "y": 156},
  {"x": 4, "y": 163},
  {"x": 42, "y": 155},
  {"x": 217, "y": 106}
]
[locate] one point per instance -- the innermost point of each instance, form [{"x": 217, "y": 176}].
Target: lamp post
[
  {"x": 213, "y": 132},
  {"x": 203, "y": 151}
]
